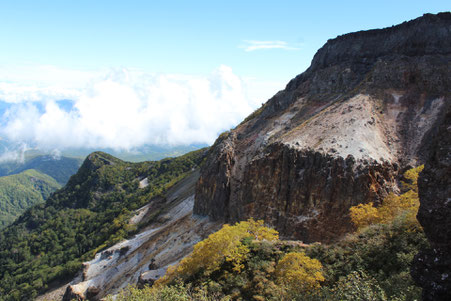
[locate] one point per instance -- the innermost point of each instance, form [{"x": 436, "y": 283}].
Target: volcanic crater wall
[{"x": 396, "y": 78}]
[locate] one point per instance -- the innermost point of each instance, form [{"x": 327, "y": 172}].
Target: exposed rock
[
  {"x": 71, "y": 295},
  {"x": 148, "y": 278},
  {"x": 145, "y": 257},
  {"x": 92, "y": 292},
  {"x": 144, "y": 183},
  {"x": 432, "y": 268},
  {"x": 338, "y": 135}
]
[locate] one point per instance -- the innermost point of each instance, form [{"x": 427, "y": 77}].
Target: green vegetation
[
  {"x": 392, "y": 206},
  {"x": 372, "y": 264},
  {"x": 48, "y": 243},
  {"x": 21, "y": 191},
  {"x": 60, "y": 169},
  {"x": 223, "y": 246}
]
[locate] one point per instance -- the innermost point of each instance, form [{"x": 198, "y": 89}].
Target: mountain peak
[{"x": 341, "y": 133}]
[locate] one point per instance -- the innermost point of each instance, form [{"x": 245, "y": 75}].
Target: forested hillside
[
  {"x": 61, "y": 169},
  {"x": 48, "y": 242},
  {"x": 21, "y": 191}
]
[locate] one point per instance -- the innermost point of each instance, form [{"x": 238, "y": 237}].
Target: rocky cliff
[
  {"x": 432, "y": 268},
  {"x": 338, "y": 135}
]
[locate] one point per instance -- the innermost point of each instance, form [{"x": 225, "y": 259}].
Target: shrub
[
  {"x": 225, "y": 245},
  {"x": 393, "y": 205},
  {"x": 357, "y": 286},
  {"x": 299, "y": 273}
]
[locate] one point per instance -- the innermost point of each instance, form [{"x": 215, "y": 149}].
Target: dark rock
[
  {"x": 148, "y": 278},
  {"x": 306, "y": 193},
  {"x": 92, "y": 292},
  {"x": 70, "y": 295},
  {"x": 432, "y": 268},
  {"x": 124, "y": 250},
  {"x": 152, "y": 265}
]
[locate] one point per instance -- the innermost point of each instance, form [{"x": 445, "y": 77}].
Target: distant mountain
[
  {"x": 339, "y": 135},
  {"x": 21, "y": 191},
  {"x": 140, "y": 154},
  {"x": 61, "y": 168},
  {"x": 49, "y": 242}
]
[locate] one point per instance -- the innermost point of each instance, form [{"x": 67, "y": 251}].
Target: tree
[
  {"x": 393, "y": 205},
  {"x": 222, "y": 246},
  {"x": 364, "y": 215},
  {"x": 299, "y": 273}
]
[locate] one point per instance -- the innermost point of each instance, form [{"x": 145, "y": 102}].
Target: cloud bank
[
  {"x": 252, "y": 45},
  {"x": 123, "y": 109}
]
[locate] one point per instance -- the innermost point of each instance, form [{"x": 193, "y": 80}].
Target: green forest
[
  {"x": 48, "y": 243},
  {"x": 61, "y": 169},
  {"x": 21, "y": 191}
]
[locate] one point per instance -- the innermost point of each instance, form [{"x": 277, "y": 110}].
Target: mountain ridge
[
  {"x": 337, "y": 136},
  {"x": 47, "y": 244},
  {"x": 352, "y": 125}
]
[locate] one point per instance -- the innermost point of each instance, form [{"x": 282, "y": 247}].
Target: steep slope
[
  {"x": 169, "y": 231},
  {"x": 432, "y": 268},
  {"x": 338, "y": 135},
  {"x": 47, "y": 244},
  {"x": 61, "y": 169},
  {"x": 21, "y": 191}
]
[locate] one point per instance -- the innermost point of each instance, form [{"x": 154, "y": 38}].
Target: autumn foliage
[
  {"x": 392, "y": 206},
  {"x": 299, "y": 273},
  {"x": 222, "y": 246}
]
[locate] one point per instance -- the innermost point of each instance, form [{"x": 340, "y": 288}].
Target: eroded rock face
[
  {"x": 339, "y": 134},
  {"x": 432, "y": 268},
  {"x": 307, "y": 194},
  {"x": 145, "y": 257}
]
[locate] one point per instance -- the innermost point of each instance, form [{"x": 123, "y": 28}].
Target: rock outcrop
[
  {"x": 338, "y": 135},
  {"x": 170, "y": 233},
  {"x": 432, "y": 268}
]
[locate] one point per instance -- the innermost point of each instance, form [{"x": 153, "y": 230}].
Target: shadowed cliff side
[{"x": 432, "y": 268}]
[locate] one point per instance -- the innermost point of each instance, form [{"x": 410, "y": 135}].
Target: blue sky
[
  {"x": 188, "y": 36},
  {"x": 246, "y": 50}
]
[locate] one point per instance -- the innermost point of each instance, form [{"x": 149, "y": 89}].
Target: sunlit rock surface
[
  {"x": 341, "y": 133},
  {"x": 145, "y": 257}
]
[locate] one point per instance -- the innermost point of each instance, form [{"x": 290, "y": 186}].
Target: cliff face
[
  {"x": 338, "y": 135},
  {"x": 432, "y": 268}
]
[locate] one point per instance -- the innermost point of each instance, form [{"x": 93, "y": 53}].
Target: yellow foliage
[
  {"x": 412, "y": 176},
  {"x": 299, "y": 273},
  {"x": 364, "y": 215},
  {"x": 392, "y": 206},
  {"x": 223, "y": 245}
]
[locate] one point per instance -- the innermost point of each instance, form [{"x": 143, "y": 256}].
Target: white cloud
[
  {"x": 42, "y": 83},
  {"x": 124, "y": 109},
  {"x": 17, "y": 154},
  {"x": 252, "y": 45}
]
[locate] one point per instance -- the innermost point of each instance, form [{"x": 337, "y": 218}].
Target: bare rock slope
[
  {"x": 146, "y": 256},
  {"x": 338, "y": 135}
]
